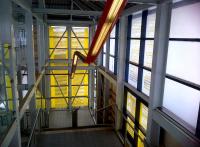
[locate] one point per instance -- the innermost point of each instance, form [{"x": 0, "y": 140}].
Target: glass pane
[
  {"x": 111, "y": 64},
  {"x": 57, "y": 31},
  {"x": 131, "y": 104},
  {"x": 150, "y": 30},
  {"x": 146, "y": 82},
  {"x": 148, "y": 55},
  {"x": 104, "y": 48},
  {"x": 104, "y": 60},
  {"x": 143, "y": 116},
  {"x": 112, "y": 47},
  {"x": 80, "y": 79},
  {"x": 59, "y": 103},
  {"x": 140, "y": 142},
  {"x": 80, "y": 32},
  {"x": 79, "y": 90},
  {"x": 62, "y": 44},
  {"x": 80, "y": 102},
  {"x": 185, "y": 22},
  {"x": 136, "y": 27},
  {"x": 134, "y": 51},
  {"x": 58, "y": 53},
  {"x": 83, "y": 42},
  {"x": 183, "y": 60},
  {"x": 133, "y": 75},
  {"x": 112, "y": 34},
  {"x": 129, "y": 129},
  {"x": 183, "y": 101}
]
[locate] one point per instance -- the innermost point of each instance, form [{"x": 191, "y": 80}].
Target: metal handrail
[{"x": 33, "y": 129}]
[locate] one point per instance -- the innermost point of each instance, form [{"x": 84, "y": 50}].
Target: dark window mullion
[
  {"x": 116, "y": 47},
  {"x": 142, "y": 49},
  {"x": 128, "y": 46}
]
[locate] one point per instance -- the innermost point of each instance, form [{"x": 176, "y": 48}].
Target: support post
[
  {"x": 121, "y": 70},
  {"x": 30, "y": 60},
  {"x": 163, "y": 17},
  {"x": 7, "y": 37},
  {"x": 69, "y": 64}
]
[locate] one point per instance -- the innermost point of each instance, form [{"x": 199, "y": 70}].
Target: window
[
  {"x": 104, "y": 55},
  {"x": 61, "y": 86},
  {"x": 182, "y": 83},
  {"x": 141, "y": 28},
  {"x": 113, "y": 49},
  {"x": 137, "y": 114}
]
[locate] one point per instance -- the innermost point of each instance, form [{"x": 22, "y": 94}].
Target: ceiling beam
[
  {"x": 134, "y": 9},
  {"x": 152, "y": 2},
  {"x": 66, "y": 12},
  {"x": 27, "y": 7},
  {"x": 69, "y": 23}
]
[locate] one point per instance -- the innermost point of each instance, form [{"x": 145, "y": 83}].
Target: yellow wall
[{"x": 62, "y": 53}]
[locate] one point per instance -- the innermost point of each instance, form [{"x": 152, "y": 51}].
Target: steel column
[
  {"x": 69, "y": 57},
  {"x": 121, "y": 70},
  {"x": 30, "y": 60},
  {"x": 163, "y": 17}
]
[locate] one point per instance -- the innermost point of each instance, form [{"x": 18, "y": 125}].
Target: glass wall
[
  {"x": 182, "y": 83},
  {"x": 137, "y": 114},
  {"x": 61, "y": 83},
  {"x": 110, "y": 49},
  {"x": 114, "y": 35},
  {"x": 141, "y": 28}
]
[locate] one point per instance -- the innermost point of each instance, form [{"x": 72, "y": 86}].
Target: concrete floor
[{"x": 97, "y": 138}]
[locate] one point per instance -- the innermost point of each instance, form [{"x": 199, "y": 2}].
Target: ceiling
[{"x": 85, "y": 5}]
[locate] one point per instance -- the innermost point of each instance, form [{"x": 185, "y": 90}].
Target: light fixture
[{"x": 112, "y": 10}]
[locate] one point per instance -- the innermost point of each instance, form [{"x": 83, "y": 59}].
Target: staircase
[{"x": 91, "y": 136}]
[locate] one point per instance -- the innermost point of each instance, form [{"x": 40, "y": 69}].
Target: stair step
[{"x": 78, "y": 129}]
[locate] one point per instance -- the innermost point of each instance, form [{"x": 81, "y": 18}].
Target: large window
[
  {"x": 66, "y": 91},
  {"x": 182, "y": 83},
  {"x": 137, "y": 114},
  {"x": 141, "y": 27},
  {"x": 104, "y": 55},
  {"x": 110, "y": 50},
  {"x": 113, "y": 49}
]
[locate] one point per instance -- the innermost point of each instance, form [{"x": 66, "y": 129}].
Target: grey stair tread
[{"x": 103, "y": 138}]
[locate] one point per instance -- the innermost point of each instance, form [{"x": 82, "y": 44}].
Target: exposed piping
[{"x": 109, "y": 17}]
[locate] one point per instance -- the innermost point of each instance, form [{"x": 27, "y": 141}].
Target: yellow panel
[
  {"x": 9, "y": 92},
  {"x": 40, "y": 103},
  {"x": 57, "y": 31},
  {"x": 143, "y": 116},
  {"x": 61, "y": 72},
  {"x": 82, "y": 64},
  {"x": 140, "y": 143},
  {"x": 78, "y": 78},
  {"x": 62, "y": 44},
  {"x": 82, "y": 91},
  {"x": 131, "y": 104},
  {"x": 6, "y": 53},
  {"x": 59, "y": 103},
  {"x": 76, "y": 44},
  {"x": 80, "y": 102},
  {"x": 59, "y": 54},
  {"x": 80, "y": 31},
  {"x": 81, "y": 51},
  {"x": 60, "y": 64},
  {"x": 129, "y": 129}
]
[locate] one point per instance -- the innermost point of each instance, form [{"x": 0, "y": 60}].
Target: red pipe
[{"x": 91, "y": 58}]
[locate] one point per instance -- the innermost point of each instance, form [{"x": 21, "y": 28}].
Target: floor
[{"x": 98, "y": 138}]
